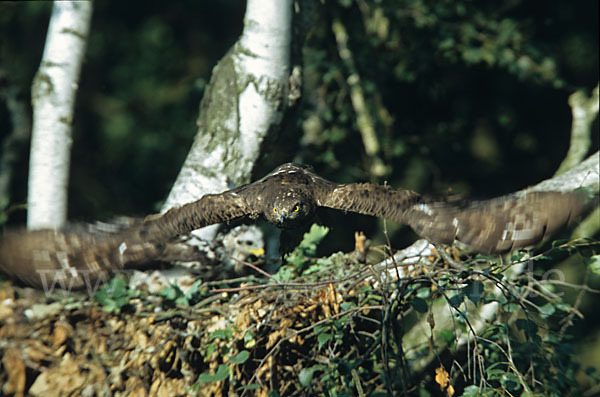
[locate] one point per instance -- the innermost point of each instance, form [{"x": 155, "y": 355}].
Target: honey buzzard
[{"x": 288, "y": 198}]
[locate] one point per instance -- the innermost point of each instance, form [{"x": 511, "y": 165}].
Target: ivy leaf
[
  {"x": 457, "y": 299},
  {"x": 419, "y": 305},
  {"x": 306, "y": 374},
  {"x": 114, "y": 295},
  {"x": 221, "y": 374},
  {"x": 474, "y": 291},
  {"x": 323, "y": 338},
  {"x": 223, "y": 334},
  {"x": 240, "y": 358},
  {"x": 312, "y": 238}
]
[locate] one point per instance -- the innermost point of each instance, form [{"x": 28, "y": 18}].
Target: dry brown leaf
[
  {"x": 274, "y": 337},
  {"x": 59, "y": 335},
  {"x": 443, "y": 379},
  {"x": 359, "y": 242},
  {"x": 135, "y": 387},
  {"x": 12, "y": 362}
]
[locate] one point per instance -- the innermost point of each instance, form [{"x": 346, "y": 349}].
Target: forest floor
[{"x": 120, "y": 342}]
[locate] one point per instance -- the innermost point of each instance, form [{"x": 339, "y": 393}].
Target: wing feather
[
  {"x": 369, "y": 199},
  {"x": 80, "y": 258},
  {"x": 492, "y": 226},
  {"x": 498, "y": 225},
  {"x": 208, "y": 210},
  {"x": 47, "y": 258}
]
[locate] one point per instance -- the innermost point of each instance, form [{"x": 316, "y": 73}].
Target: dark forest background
[{"x": 468, "y": 96}]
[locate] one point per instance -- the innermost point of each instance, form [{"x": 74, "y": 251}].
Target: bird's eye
[
  {"x": 296, "y": 208},
  {"x": 274, "y": 210}
]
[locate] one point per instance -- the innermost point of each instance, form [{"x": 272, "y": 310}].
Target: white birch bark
[
  {"x": 53, "y": 96},
  {"x": 246, "y": 98}
]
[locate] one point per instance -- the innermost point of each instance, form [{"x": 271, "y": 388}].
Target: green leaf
[
  {"x": 471, "y": 391},
  {"x": 221, "y": 374},
  {"x": 251, "y": 386},
  {"x": 424, "y": 292},
  {"x": 224, "y": 334},
  {"x": 249, "y": 340},
  {"x": 306, "y": 374},
  {"x": 210, "y": 349},
  {"x": 420, "y": 305},
  {"x": 510, "y": 381},
  {"x": 547, "y": 310},
  {"x": 323, "y": 338},
  {"x": 594, "y": 264},
  {"x": 308, "y": 245},
  {"x": 474, "y": 291},
  {"x": 517, "y": 257},
  {"x": 528, "y": 326},
  {"x": 593, "y": 373},
  {"x": 173, "y": 293},
  {"x": 447, "y": 336},
  {"x": 114, "y": 295},
  {"x": 240, "y": 358},
  {"x": 511, "y": 307},
  {"x": 457, "y": 299},
  {"x": 495, "y": 373}
]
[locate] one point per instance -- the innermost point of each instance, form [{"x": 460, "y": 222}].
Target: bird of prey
[{"x": 288, "y": 198}]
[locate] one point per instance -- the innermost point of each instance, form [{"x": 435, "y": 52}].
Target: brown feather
[
  {"x": 287, "y": 197},
  {"x": 498, "y": 225},
  {"x": 81, "y": 256}
]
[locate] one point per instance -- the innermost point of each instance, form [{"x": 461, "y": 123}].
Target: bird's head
[{"x": 290, "y": 209}]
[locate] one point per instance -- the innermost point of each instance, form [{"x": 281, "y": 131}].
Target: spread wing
[
  {"x": 208, "y": 210},
  {"x": 492, "y": 226},
  {"x": 498, "y": 225},
  {"x": 79, "y": 258},
  {"x": 48, "y": 258},
  {"x": 368, "y": 199}
]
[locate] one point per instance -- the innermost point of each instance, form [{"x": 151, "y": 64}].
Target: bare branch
[{"x": 585, "y": 111}]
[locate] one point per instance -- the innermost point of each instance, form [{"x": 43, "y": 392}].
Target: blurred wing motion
[
  {"x": 44, "y": 258},
  {"x": 83, "y": 255},
  {"x": 494, "y": 226},
  {"x": 499, "y": 225}
]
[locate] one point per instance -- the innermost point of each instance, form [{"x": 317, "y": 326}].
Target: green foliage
[
  {"x": 222, "y": 373},
  {"x": 301, "y": 259},
  {"x": 308, "y": 245},
  {"x": 594, "y": 264},
  {"x": 141, "y": 83},
  {"x": 306, "y": 374},
  {"x": 115, "y": 296},
  {"x": 523, "y": 351},
  {"x": 218, "y": 347},
  {"x": 173, "y": 295}
]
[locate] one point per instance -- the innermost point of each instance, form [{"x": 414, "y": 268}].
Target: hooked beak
[{"x": 282, "y": 216}]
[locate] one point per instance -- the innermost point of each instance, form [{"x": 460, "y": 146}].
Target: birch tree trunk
[
  {"x": 245, "y": 101},
  {"x": 53, "y": 97}
]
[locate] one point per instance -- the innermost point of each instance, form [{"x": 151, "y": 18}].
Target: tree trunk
[
  {"x": 53, "y": 97},
  {"x": 244, "y": 102}
]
